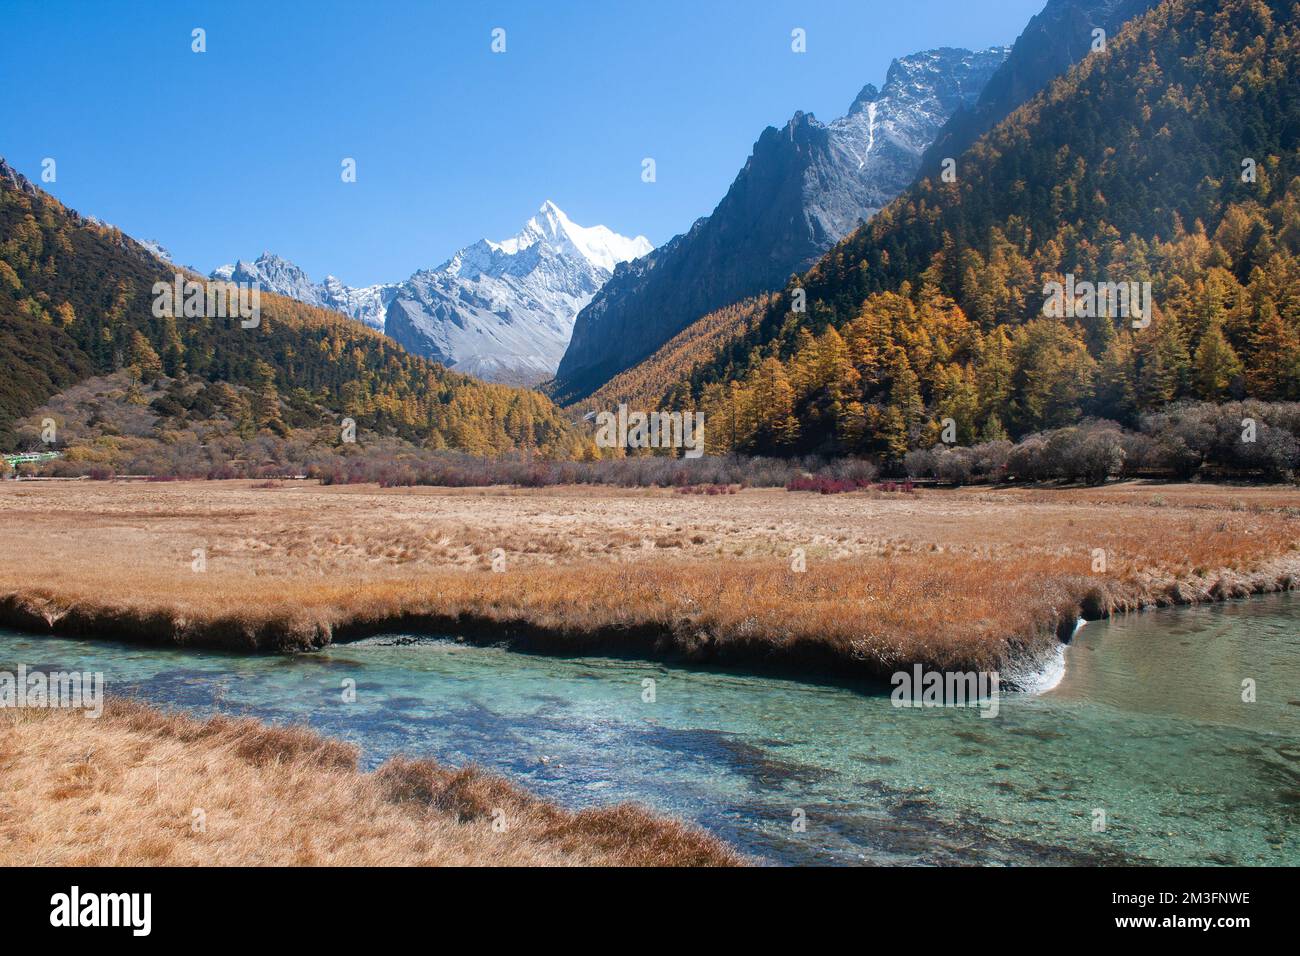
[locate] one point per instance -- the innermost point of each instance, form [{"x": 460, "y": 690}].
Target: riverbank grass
[{"x": 143, "y": 787}]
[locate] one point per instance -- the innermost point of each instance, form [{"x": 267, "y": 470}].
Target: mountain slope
[
  {"x": 802, "y": 189},
  {"x": 643, "y": 385},
  {"x": 504, "y": 311},
  {"x": 1172, "y": 158},
  {"x": 1053, "y": 41},
  {"x": 76, "y": 300}
]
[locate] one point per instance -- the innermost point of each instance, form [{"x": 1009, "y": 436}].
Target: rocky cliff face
[{"x": 804, "y": 187}]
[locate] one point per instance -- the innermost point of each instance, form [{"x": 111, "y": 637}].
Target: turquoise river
[{"x": 1147, "y": 726}]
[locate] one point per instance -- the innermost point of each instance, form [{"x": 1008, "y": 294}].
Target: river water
[{"x": 1147, "y": 727}]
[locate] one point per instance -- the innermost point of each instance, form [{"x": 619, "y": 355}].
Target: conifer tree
[{"x": 1217, "y": 367}]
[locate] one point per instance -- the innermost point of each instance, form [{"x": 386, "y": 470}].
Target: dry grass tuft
[{"x": 128, "y": 788}]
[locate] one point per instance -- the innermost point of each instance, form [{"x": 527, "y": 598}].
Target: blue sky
[{"x": 223, "y": 154}]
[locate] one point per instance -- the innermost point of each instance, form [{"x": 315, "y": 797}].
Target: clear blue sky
[{"x": 223, "y": 154}]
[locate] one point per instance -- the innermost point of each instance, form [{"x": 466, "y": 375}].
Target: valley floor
[
  {"x": 805, "y": 584},
  {"x": 856, "y": 584}
]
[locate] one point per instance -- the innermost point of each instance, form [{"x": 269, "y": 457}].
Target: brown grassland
[
  {"x": 948, "y": 578},
  {"x": 123, "y": 790}
]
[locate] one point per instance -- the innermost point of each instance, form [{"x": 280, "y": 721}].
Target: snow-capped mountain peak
[
  {"x": 504, "y": 310},
  {"x": 599, "y": 245},
  {"x": 886, "y": 130},
  {"x": 276, "y": 274},
  {"x": 501, "y": 310}
]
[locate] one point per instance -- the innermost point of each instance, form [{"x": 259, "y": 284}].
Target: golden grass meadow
[{"x": 945, "y": 578}]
